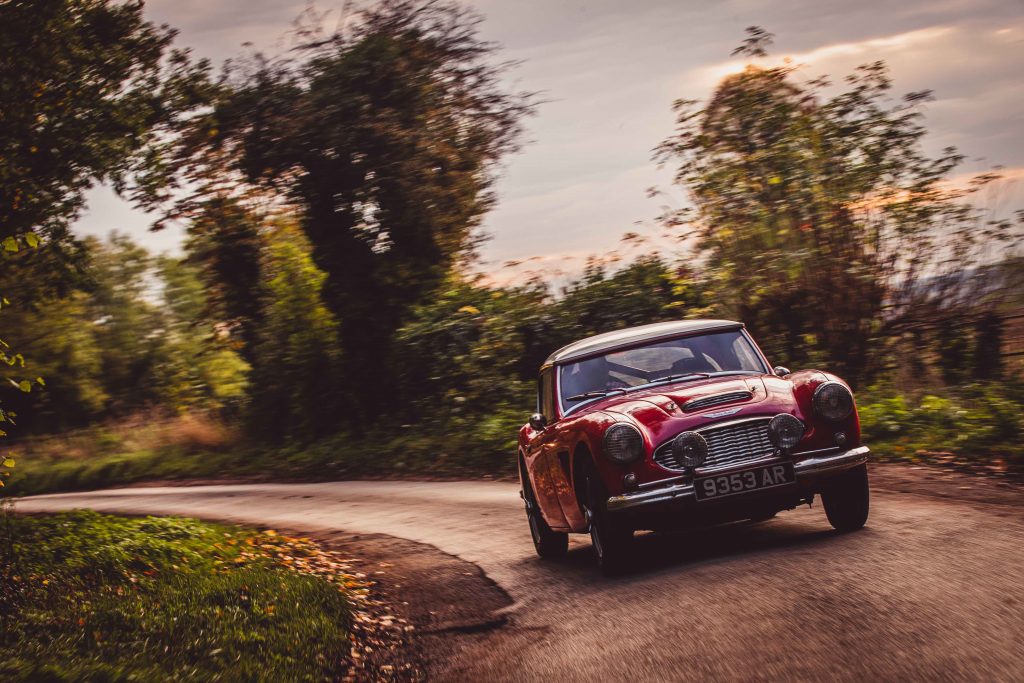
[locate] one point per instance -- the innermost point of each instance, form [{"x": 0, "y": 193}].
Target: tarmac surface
[{"x": 931, "y": 589}]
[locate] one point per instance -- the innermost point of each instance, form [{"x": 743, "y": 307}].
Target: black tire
[
  {"x": 611, "y": 540},
  {"x": 846, "y": 499},
  {"x": 549, "y": 544}
]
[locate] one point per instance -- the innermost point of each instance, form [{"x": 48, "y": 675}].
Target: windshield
[{"x": 677, "y": 359}]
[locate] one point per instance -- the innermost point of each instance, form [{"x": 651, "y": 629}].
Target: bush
[
  {"x": 977, "y": 425},
  {"x": 459, "y": 442}
]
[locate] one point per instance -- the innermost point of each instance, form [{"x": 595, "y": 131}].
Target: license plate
[{"x": 755, "y": 479}]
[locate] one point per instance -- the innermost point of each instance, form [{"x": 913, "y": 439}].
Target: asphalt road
[{"x": 931, "y": 589}]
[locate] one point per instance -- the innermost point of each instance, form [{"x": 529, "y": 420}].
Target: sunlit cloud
[
  {"x": 870, "y": 49},
  {"x": 990, "y": 190},
  {"x": 548, "y": 268}
]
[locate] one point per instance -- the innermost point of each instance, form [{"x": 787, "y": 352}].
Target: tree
[
  {"x": 226, "y": 247},
  {"x": 134, "y": 341},
  {"x": 821, "y": 218},
  {"x": 475, "y": 350},
  {"x": 386, "y": 139},
  {"x": 88, "y": 93},
  {"x": 465, "y": 343},
  {"x": 294, "y": 375},
  {"x": 12, "y": 363},
  {"x": 645, "y": 291},
  {"x": 204, "y": 370},
  {"x": 63, "y": 344},
  {"x": 988, "y": 347}
]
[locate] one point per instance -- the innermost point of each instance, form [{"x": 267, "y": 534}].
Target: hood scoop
[{"x": 716, "y": 400}]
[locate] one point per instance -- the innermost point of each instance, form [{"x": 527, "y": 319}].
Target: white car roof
[{"x": 601, "y": 344}]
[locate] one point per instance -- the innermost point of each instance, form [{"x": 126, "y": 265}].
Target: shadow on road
[{"x": 690, "y": 550}]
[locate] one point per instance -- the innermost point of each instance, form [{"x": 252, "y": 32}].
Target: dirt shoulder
[
  {"x": 448, "y": 601},
  {"x": 948, "y": 484}
]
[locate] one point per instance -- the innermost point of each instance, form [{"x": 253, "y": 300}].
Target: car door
[
  {"x": 542, "y": 454},
  {"x": 559, "y": 462}
]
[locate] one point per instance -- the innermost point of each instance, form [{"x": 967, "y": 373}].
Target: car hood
[
  {"x": 711, "y": 397},
  {"x": 665, "y": 411}
]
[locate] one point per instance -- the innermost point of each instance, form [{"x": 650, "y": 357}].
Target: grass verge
[
  {"x": 93, "y": 597},
  {"x": 979, "y": 428},
  {"x": 976, "y": 427},
  {"x": 110, "y": 456}
]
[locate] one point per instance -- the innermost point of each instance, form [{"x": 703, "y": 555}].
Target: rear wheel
[
  {"x": 847, "y": 500},
  {"x": 548, "y": 543},
  {"x": 611, "y": 540}
]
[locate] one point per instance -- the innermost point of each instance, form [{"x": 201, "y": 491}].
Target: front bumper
[{"x": 675, "y": 490}]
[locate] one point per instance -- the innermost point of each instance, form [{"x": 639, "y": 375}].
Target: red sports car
[{"x": 682, "y": 424}]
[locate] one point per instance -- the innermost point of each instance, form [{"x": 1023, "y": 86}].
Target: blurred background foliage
[
  {"x": 326, "y": 320},
  {"x": 127, "y": 343}
]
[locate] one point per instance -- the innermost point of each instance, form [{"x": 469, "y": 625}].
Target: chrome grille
[
  {"x": 716, "y": 400},
  {"x": 728, "y": 444}
]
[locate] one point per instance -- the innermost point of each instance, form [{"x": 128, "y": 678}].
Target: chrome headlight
[
  {"x": 623, "y": 443},
  {"x": 690, "y": 449},
  {"x": 785, "y": 431},
  {"x": 832, "y": 401}
]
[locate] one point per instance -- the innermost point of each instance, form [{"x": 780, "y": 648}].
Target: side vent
[{"x": 716, "y": 400}]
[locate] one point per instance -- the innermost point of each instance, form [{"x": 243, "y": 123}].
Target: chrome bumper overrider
[{"x": 674, "y": 490}]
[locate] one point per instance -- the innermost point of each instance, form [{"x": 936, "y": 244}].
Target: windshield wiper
[
  {"x": 594, "y": 394},
  {"x": 676, "y": 378}
]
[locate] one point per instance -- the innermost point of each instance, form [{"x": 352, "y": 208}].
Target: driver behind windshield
[
  {"x": 590, "y": 375},
  {"x": 697, "y": 356}
]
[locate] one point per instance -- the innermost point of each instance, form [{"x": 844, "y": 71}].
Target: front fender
[
  {"x": 805, "y": 383},
  {"x": 589, "y": 444}
]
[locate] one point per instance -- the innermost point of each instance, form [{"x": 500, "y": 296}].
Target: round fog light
[
  {"x": 629, "y": 482},
  {"x": 840, "y": 438},
  {"x": 690, "y": 449},
  {"x": 785, "y": 431}
]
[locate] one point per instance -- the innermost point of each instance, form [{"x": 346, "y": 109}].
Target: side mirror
[
  {"x": 538, "y": 422},
  {"x": 780, "y": 371}
]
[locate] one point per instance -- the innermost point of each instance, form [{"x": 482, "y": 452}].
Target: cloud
[
  {"x": 589, "y": 216},
  {"x": 867, "y": 50},
  {"x": 610, "y": 70},
  {"x": 973, "y": 71}
]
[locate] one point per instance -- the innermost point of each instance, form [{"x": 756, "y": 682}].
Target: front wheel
[
  {"x": 846, "y": 499},
  {"x": 611, "y": 540},
  {"x": 549, "y": 544}
]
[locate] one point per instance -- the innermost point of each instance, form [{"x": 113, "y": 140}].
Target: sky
[{"x": 608, "y": 72}]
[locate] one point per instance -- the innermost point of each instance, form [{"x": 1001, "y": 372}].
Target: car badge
[{"x": 723, "y": 413}]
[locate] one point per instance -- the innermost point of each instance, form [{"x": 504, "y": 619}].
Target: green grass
[
  {"x": 41, "y": 473},
  {"x": 100, "y": 598},
  {"x": 472, "y": 447}
]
